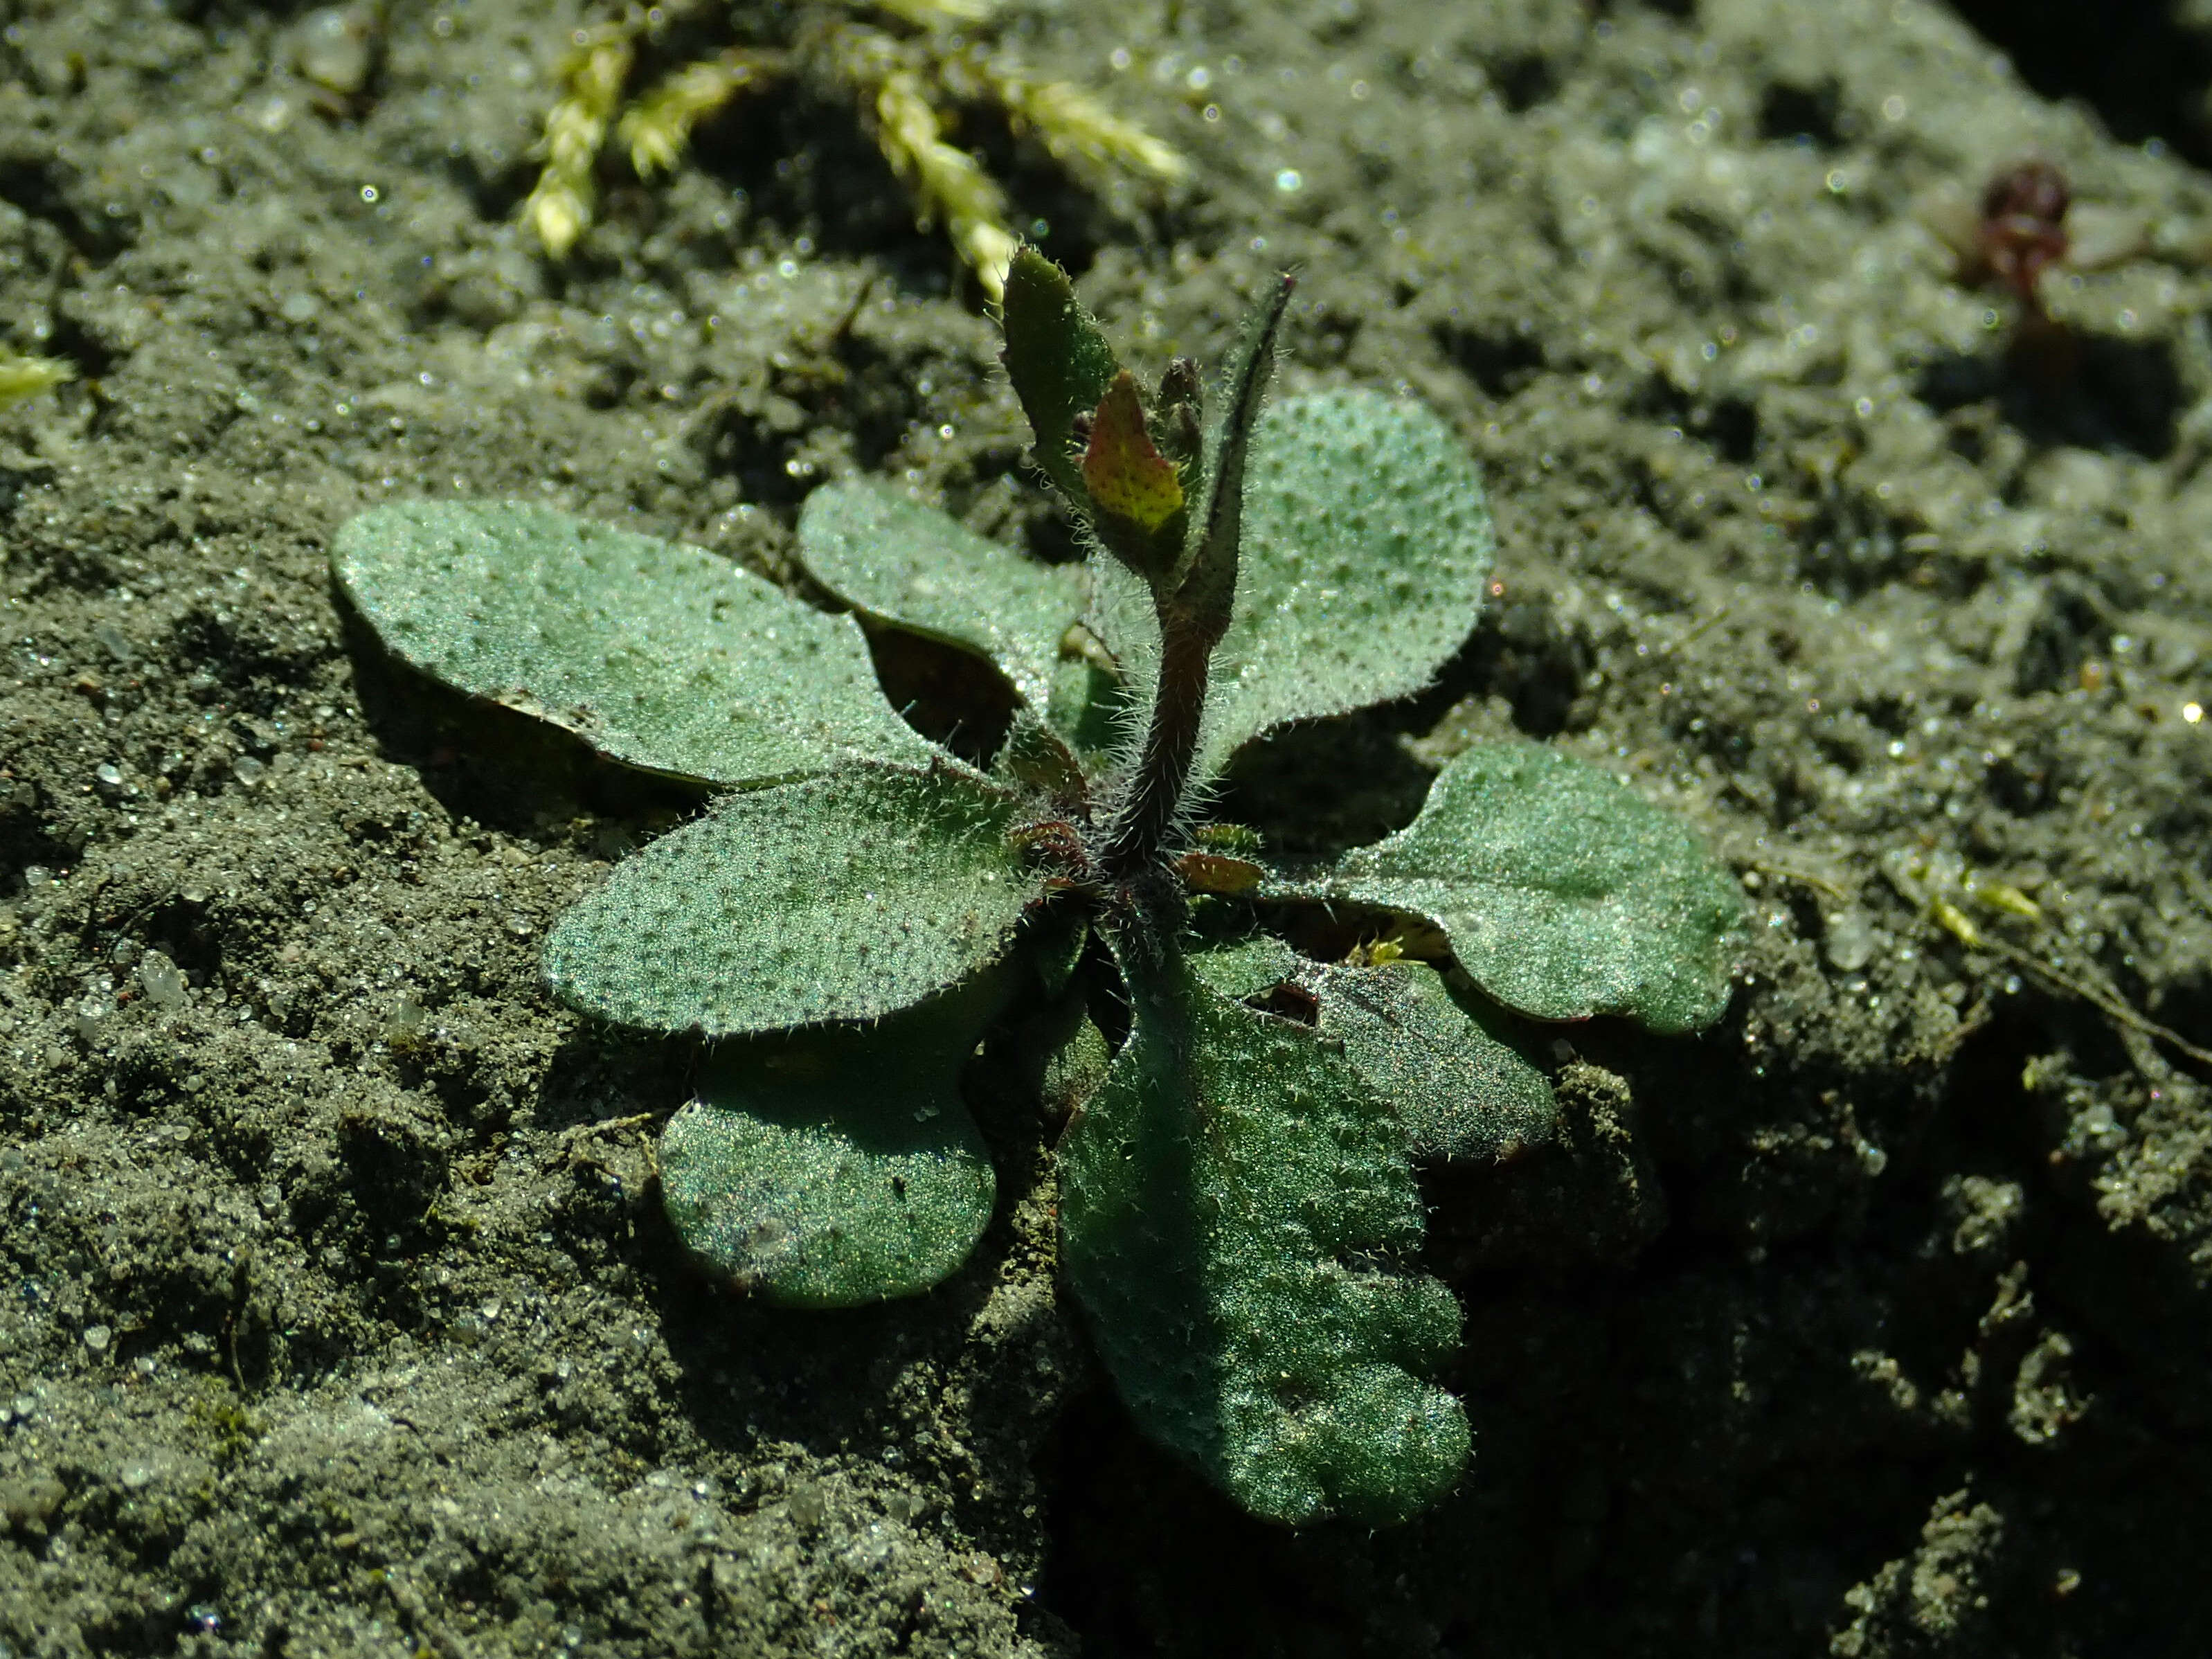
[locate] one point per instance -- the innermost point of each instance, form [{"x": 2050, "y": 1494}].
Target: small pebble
[
  {"x": 28, "y": 1505},
  {"x": 271, "y": 115},
  {"x": 1849, "y": 941},
  {"x": 403, "y": 1027},
  {"x": 336, "y": 47},
  {"x": 159, "y": 978}
]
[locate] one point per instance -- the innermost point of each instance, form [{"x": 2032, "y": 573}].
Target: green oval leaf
[
  {"x": 843, "y": 897},
  {"x": 1247, "y": 968},
  {"x": 1366, "y": 550},
  {"x": 659, "y": 655},
  {"x": 1447, "y": 1063},
  {"x": 833, "y": 1168},
  {"x": 1564, "y": 893},
  {"x": 1231, "y": 1202},
  {"x": 915, "y": 567}
]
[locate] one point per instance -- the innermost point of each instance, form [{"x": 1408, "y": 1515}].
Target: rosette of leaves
[{"x": 1239, "y": 1213}]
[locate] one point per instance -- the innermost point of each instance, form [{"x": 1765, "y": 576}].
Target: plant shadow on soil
[{"x": 2092, "y": 391}]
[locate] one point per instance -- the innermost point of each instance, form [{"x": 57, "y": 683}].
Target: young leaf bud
[
  {"x": 1206, "y": 580},
  {"x": 1058, "y": 361},
  {"x": 1179, "y": 423},
  {"x": 1135, "y": 491}
]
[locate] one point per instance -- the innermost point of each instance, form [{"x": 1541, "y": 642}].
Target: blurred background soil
[{"x": 338, "y": 1317}]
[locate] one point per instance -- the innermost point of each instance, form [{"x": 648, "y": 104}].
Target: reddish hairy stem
[{"x": 1140, "y": 831}]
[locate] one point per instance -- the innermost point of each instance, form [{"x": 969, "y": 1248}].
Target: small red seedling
[{"x": 2026, "y": 222}]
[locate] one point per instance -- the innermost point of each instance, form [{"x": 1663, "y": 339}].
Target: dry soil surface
[{"x": 339, "y": 1317}]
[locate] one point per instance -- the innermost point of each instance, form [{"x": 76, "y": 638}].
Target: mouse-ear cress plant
[{"x": 1239, "y": 1217}]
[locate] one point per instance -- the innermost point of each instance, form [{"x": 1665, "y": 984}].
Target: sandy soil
[{"x": 339, "y": 1317}]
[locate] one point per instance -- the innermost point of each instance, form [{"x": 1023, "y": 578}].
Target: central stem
[{"x": 1147, "y": 813}]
